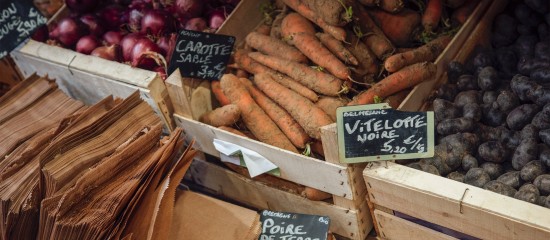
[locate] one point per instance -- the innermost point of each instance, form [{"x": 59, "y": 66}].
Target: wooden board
[
  {"x": 394, "y": 228},
  {"x": 451, "y": 204},
  {"x": 90, "y": 79},
  {"x": 343, "y": 221},
  {"x": 297, "y": 168}
]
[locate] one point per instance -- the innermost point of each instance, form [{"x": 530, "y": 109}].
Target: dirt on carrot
[
  {"x": 232, "y": 130},
  {"x": 309, "y": 116},
  {"x": 274, "y": 47},
  {"x": 371, "y": 34},
  {"x": 330, "y": 104},
  {"x": 337, "y": 48},
  {"x": 298, "y": 6},
  {"x": 425, "y": 53},
  {"x": 432, "y": 15},
  {"x": 255, "y": 119},
  {"x": 392, "y": 6},
  {"x": 368, "y": 64},
  {"x": 218, "y": 93},
  {"x": 398, "y": 81},
  {"x": 316, "y": 80},
  {"x": 295, "y": 133},
  {"x": 333, "y": 12},
  {"x": 222, "y": 116}
]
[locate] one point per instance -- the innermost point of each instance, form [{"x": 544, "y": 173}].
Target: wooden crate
[
  {"x": 349, "y": 212},
  {"x": 444, "y": 204},
  {"x": 9, "y": 73},
  {"x": 90, "y": 79}
]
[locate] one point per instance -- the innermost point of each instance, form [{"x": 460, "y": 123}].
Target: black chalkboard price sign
[
  {"x": 201, "y": 55},
  {"x": 293, "y": 226},
  {"x": 18, "y": 20},
  {"x": 376, "y": 132}
]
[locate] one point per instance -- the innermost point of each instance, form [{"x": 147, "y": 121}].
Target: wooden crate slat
[
  {"x": 297, "y": 168},
  {"x": 258, "y": 195},
  {"x": 395, "y": 228},
  {"x": 485, "y": 214}
]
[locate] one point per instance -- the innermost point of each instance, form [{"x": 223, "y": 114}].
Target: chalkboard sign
[
  {"x": 293, "y": 226},
  {"x": 201, "y": 55},
  {"x": 18, "y": 20},
  {"x": 376, "y": 132}
]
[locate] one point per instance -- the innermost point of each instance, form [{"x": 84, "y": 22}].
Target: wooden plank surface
[
  {"x": 463, "y": 208},
  {"x": 229, "y": 184},
  {"x": 327, "y": 177},
  {"x": 395, "y": 228},
  {"x": 243, "y": 19}
]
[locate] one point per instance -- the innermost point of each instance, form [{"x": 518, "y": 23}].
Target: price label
[
  {"x": 201, "y": 55},
  {"x": 18, "y": 20},
  {"x": 293, "y": 226},
  {"x": 376, "y": 132}
]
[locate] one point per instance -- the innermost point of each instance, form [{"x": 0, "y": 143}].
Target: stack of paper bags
[{"x": 69, "y": 171}]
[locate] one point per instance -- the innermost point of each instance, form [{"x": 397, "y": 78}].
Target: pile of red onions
[{"x": 137, "y": 32}]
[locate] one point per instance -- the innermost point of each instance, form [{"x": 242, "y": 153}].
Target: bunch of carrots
[{"x": 312, "y": 56}]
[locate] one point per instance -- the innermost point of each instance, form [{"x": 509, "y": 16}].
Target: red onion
[
  {"x": 161, "y": 71},
  {"x": 112, "y": 37},
  {"x": 81, "y": 6},
  {"x": 112, "y": 16},
  {"x": 167, "y": 44},
  {"x": 41, "y": 34},
  {"x": 93, "y": 23},
  {"x": 216, "y": 18},
  {"x": 188, "y": 8},
  {"x": 156, "y": 22},
  {"x": 87, "y": 44},
  {"x": 112, "y": 52},
  {"x": 128, "y": 43},
  {"x": 195, "y": 24},
  {"x": 134, "y": 20},
  {"x": 69, "y": 31},
  {"x": 140, "y": 53}
]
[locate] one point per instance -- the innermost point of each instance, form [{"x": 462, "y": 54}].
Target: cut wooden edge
[
  {"x": 454, "y": 205},
  {"x": 395, "y": 228},
  {"x": 343, "y": 221},
  {"x": 315, "y": 173},
  {"x": 243, "y": 20}
]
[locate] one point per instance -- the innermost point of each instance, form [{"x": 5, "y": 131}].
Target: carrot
[
  {"x": 218, "y": 93},
  {"x": 301, "y": 33},
  {"x": 370, "y": 3},
  {"x": 314, "y": 194},
  {"x": 255, "y": 119},
  {"x": 315, "y": 80},
  {"x": 396, "y": 99},
  {"x": 372, "y": 35},
  {"x": 276, "y": 24},
  {"x": 241, "y": 73},
  {"x": 333, "y": 12},
  {"x": 399, "y": 28},
  {"x": 263, "y": 29},
  {"x": 427, "y": 52},
  {"x": 330, "y": 104},
  {"x": 222, "y": 116},
  {"x": 460, "y": 15},
  {"x": 400, "y": 80},
  {"x": 309, "y": 116},
  {"x": 317, "y": 147},
  {"x": 251, "y": 66},
  {"x": 391, "y": 6},
  {"x": 368, "y": 65},
  {"x": 432, "y": 15},
  {"x": 337, "y": 32},
  {"x": 274, "y": 47},
  {"x": 337, "y": 48},
  {"x": 295, "y": 133}
]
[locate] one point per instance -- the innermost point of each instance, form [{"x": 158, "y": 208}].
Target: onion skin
[
  {"x": 196, "y": 24},
  {"x": 113, "y": 52},
  {"x": 188, "y": 8},
  {"x": 112, "y": 37},
  {"x": 81, "y": 6},
  {"x": 216, "y": 18},
  {"x": 142, "y": 46},
  {"x": 69, "y": 31},
  {"x": 95, "y": 26},
  {"x": 87, "y": 44},
  {"x": 156, "y": 22},
  {"x": 112, "y": 16},
  {"x": 128, "y": 43}
]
